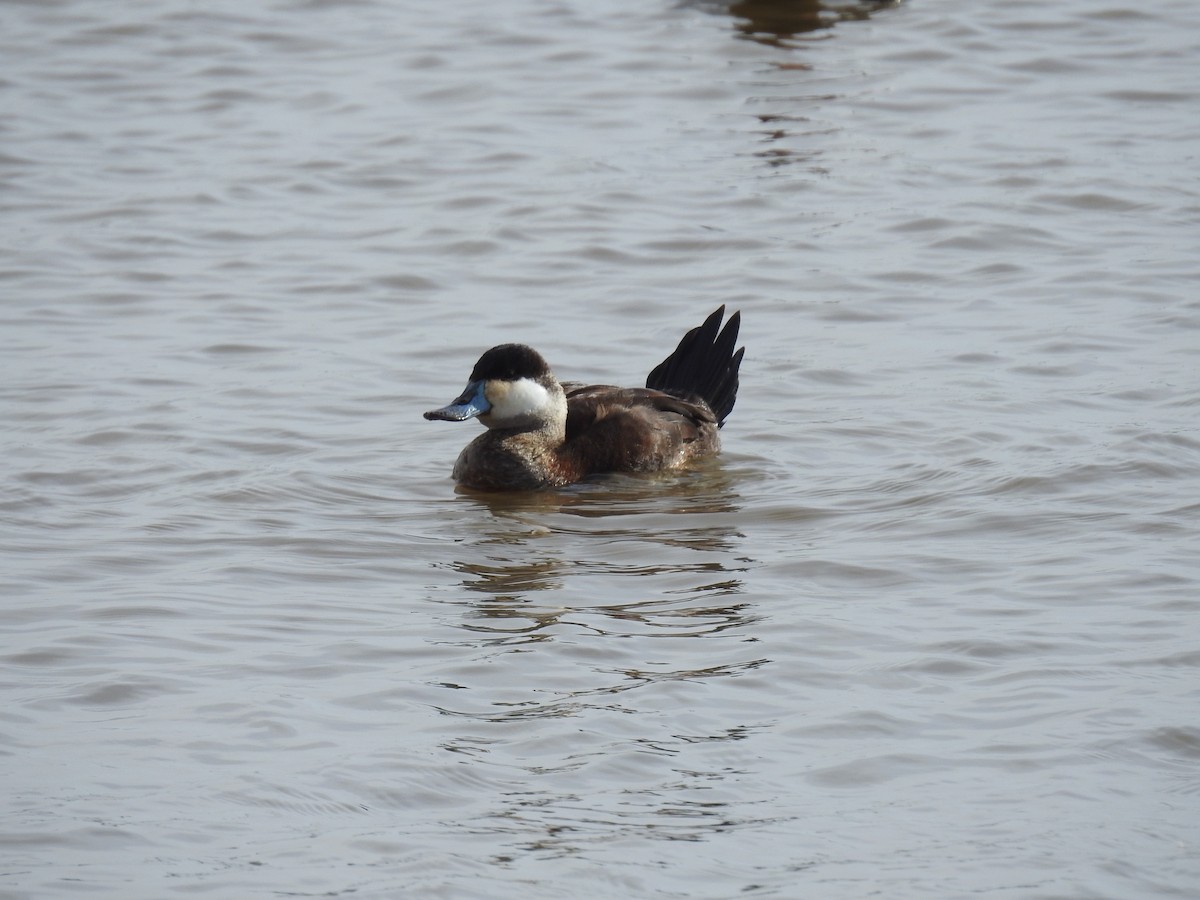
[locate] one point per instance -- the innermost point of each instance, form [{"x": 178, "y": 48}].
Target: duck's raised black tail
[{"x": 704, "y": 365}]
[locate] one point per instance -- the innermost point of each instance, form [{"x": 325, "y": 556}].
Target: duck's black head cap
[{"x": 509, "y": 362}]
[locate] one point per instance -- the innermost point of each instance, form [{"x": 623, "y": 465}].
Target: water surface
[{"x": 926, "y": 628}]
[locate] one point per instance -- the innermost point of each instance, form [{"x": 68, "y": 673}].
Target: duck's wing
[{"x": 632, "y": 410}]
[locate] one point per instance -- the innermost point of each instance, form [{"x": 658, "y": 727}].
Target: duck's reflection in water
[
  {"x": 623, "y": 557},
  {"x": 563, "y": 675},
  {"x": 778, "y": 22},
  {"x": 630, "y": 555}
]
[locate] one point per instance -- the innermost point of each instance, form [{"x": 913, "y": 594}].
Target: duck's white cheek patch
[{"x": 517, "y": 399}]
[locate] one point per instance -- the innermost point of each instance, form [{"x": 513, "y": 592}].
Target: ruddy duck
[{"x": 545, "y": 434}]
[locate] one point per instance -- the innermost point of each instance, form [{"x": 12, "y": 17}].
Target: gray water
[{"x": 927, "y": 628}]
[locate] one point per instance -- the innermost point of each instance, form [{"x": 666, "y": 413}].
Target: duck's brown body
[
  {"x": 607, "y": 430},
  {"x": 545, "y": 434}
]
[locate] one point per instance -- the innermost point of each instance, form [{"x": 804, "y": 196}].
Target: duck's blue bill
[{"x": 467, "y": 405}]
